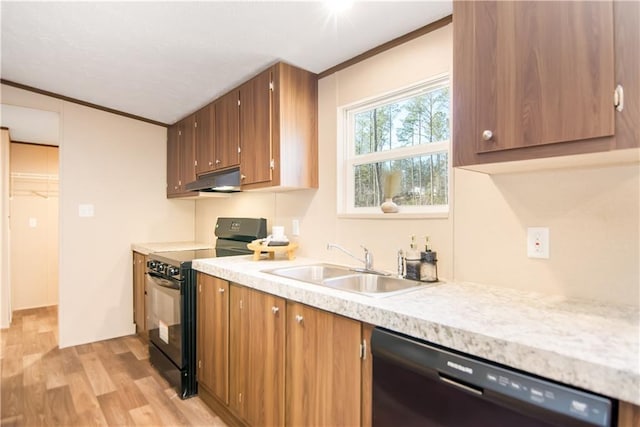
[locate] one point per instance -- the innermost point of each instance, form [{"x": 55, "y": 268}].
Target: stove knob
[
  {"x": 172, "y": 271},
  {"x": 161, "y": 268},
  {"x": 152, "y": 265}
]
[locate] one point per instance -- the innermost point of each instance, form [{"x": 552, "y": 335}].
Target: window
[{"x": 397, "y": 147}]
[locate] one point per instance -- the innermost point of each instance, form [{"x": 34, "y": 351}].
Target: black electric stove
[{"x": 171, "y": 300}]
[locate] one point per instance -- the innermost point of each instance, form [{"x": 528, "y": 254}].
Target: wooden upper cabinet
[
  {"x": 213, "y": 336},
  {"x": 323, "y": 372},
  {"x": 227, "y": 131},
  {"x": 204, "y": 140},
  {"x": 268, "y": 127},
  {"x": 279, "y": 129},
  {"x": 533, "y": 79},
  {"x": 173, "y": 160},
  {"x": 255, "y": 124},
  {"x": 188, "y": 152}
]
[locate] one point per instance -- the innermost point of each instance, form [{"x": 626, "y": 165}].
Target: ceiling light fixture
[{"x": 338, "y": 6}]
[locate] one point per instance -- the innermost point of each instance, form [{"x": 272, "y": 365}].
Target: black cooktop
[
  {"x": 179, "y": 257},
  {"x": 232, "y": 234},
  {"x": 184, "y": 258}
]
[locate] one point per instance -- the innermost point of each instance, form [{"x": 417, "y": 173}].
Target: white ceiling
[{"x": 163, "y": 60}]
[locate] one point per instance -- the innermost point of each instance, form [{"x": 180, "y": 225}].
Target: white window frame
[{"x": 346, "y": 160}]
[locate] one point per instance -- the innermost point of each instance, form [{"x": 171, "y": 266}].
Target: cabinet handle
[
  {"x": 210, "y": 163},
  {"x": 221, "y": 290},
  {"x": 275, "y": 309},
  {"x": 243, "y": 176},
  {"x": 618, "y": 98},
  {"x": 299, "y": 318},
  {"x": 217, "y": 162},
  {"x": 487, "y": 135}
]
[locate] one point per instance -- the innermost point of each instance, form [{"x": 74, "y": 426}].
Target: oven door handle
[{"x": 161, "y": 281}]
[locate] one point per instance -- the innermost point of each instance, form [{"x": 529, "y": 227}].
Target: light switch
[
  {"x": 85, "y": 210},
  {"x": 33, "y": 222}
]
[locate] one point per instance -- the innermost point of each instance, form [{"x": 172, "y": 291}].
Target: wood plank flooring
[{"x": 106, "y": 383}]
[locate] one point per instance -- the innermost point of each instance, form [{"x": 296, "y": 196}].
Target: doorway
[{"x": 33, "y": 196}]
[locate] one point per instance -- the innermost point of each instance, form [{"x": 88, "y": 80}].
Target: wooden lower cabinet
[
  {"x": 139, "y": 312},
  {"x": 257, "y": 356},
  {"x": 287, "y": 364},
  {"x": 324, "y": 369},
  {"x": 212, "y": 342},
  {"x": 628, "y": 415}
]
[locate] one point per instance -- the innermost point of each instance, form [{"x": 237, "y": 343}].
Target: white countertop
[
  {"x": 147, "y": 248},
  {"x": 586, "y": 344}
]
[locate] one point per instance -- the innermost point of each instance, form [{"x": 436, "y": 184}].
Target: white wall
[
  {"x": 593, "y": 213},
  {"x": 118, "y": 165}
]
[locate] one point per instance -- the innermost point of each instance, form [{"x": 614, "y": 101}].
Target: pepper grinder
[{"x": 428, "y": 264}]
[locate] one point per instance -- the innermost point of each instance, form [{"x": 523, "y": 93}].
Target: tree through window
[{"x": 406, "y": 135}]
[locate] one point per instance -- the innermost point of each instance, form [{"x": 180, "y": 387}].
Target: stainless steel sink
[
  {"x": 373, "y": 284},
  {"x": 346, "y": 279},
  {"x": 312, "y": 273}
]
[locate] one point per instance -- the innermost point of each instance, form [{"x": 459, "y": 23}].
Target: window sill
[{"x": 399, "y": 215}]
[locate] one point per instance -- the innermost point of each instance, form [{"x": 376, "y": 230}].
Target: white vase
[{"x": 389, "y": 207}]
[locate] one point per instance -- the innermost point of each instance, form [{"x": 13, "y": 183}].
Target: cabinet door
[
  {"x": 255, "y": 125},
  {"x": 227, "y": 131},
  {"x": 544, "y": 73},
  {"x": 213, "y": 335},
  {"x": 187, "y": 152},
  {"x": 367, "y": 376},
  {"x": 538, "y": 76},
  {"x": 323, "y": 371},
  {"x": 139, "y": 266},
  {"x": 205, "y": 140},
  {"x": 173, "y": 159},
  {"x": 257, "y": 368}
]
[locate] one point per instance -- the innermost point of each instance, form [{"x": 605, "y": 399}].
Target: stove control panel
[{"x": 163, "y": 269}]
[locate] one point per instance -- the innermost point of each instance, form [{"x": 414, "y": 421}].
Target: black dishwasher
[{"x": 416, "y": 383}]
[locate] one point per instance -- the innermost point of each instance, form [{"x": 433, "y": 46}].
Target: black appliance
[
  {"x": 416, "y": 383},
  {"x": 171, "y": 300}
]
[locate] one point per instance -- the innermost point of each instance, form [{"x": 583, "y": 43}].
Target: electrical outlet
[
  {"x": 295, "y": 227},
  {"x": 86, "y": 210},
  {"x": 538, "y": 242}
]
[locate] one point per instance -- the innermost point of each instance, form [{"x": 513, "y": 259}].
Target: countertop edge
[{"x": 150, "y": 247}]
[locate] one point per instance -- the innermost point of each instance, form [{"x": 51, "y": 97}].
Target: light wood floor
[{"x": 104, "y": 383}]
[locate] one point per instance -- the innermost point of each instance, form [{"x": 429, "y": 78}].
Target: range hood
[{"x": 227, "y": 181}]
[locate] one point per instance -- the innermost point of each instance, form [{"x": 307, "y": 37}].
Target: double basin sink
[{"x": 347, "y": 279}]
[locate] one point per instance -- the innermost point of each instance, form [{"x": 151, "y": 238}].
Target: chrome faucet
[{"x": 367, "y": 260}]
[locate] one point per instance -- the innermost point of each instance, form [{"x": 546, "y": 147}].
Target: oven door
[{"x": 164, "y": 314}]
